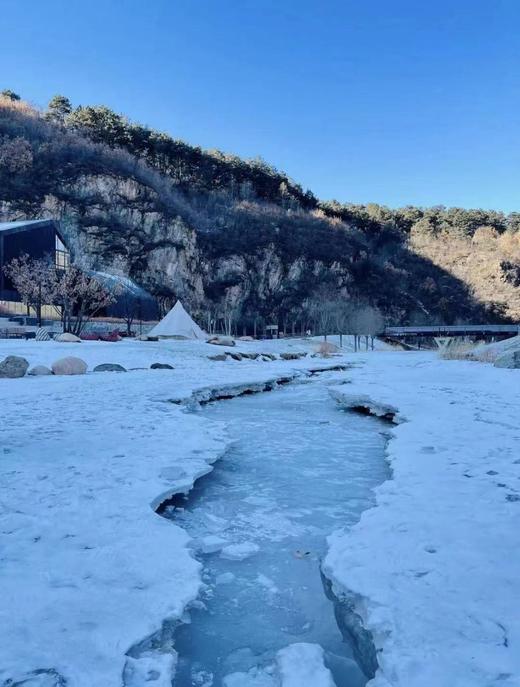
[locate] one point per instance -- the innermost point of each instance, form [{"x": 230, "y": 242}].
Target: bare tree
[
  {"x": 367, "y": 321},
  {"x": 34, "y": 281},
  {"x": 230, "y": 311},
  {"x": 330, "y": 313},
  {"x": 130, "y": 306},
  {"x": 75, "y": 295},
  {"x": 78, "y": 297}
]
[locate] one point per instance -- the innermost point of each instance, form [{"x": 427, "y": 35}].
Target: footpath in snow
[
  {"x": 88, "y": 569},
  {"x": 433, "y": 569}
]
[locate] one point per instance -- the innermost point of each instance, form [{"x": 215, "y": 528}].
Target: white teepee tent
[{"x": 178, "y": 324}]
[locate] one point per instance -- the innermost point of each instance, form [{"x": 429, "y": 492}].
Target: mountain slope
[{"x": 248, "y": 248}]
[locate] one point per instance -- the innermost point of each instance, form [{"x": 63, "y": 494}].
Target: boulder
[
  {"x": 250, "y": 356},
  {"x": 13, "y": 366},
  {"x": 235, "y": 356},
  {"x": 69, "y": 366},
  {"x": 109, "y": 367},
  {"x": 292, "y": 356},
  {"x": 219, "y": 356},
  {"x": 268, "y": 356},
  {"x": 510, "y": 359},
  {"x": 67, "y": 337},
  {"x": 221, "y": 341},
  {"x": 39, "y": 371},
  {"x": 161, "y": 366}
]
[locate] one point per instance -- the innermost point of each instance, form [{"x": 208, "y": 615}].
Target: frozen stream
[{"x": 300, "y": 468}]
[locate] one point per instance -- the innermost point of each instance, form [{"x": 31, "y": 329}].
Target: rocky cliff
[{"x": 219, "y": 252}]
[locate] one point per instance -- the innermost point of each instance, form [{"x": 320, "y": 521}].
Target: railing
[{"x": 453, "y": 330}]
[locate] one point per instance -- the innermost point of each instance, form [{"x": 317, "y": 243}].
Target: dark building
[
  {"x": 39, "y": 239},
  {"x": 42, "y": 239}
]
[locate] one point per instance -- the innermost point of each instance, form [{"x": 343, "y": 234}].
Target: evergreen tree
[
  {"x": 9, "y": 94},
  {"x": 58, "y": 109}
]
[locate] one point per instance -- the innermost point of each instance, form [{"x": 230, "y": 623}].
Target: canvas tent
[{"x": 178, "y": 324}]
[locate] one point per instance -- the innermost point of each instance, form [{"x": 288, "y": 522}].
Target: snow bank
[
  {"x": 490, "y": 352},
  {"x": 432, "y": 571},
  {"x": 89, "y": 570}
]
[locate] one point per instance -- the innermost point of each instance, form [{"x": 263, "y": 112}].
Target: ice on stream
[{"x": 299, "y": 468}]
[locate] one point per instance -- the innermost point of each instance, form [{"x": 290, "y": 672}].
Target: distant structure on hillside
[{"x": 43, "y": 239}]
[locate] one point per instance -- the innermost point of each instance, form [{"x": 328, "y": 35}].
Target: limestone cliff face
[
  {"x": 224, "y": 257},
  {"x": 111, "y": 221}
]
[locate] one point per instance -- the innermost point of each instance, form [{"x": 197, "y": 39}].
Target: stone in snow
[
  {"x": 109, "y": 367},
  {"x": 221, "y": 341},
  {"x": 39, "y": 371},
  {"x": 13, "y": 366},
  {"x": 67, "y": 337},
  {"x": 161, "y": 366},
  {"x": 239, "y": 552},
  {"x": 250, "y": 356},
  {"x": 69, "y": 366}
]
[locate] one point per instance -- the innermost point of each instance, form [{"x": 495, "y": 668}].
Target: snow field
[
  {"x": 88, "y": 569},
  {"x": 433, "y": 569}
]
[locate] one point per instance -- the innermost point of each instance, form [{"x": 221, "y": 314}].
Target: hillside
[{"x": 239, "y": 238}]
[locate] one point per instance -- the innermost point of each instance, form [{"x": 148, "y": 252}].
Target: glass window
[{"x": 62, "y": 257}]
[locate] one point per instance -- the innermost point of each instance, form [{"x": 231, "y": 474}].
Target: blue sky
[{"x": 389, "y": 101}]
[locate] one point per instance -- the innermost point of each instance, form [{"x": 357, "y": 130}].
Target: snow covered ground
[
  {"x": 88, "y": 570},
  {"x": 434, "y": 568}
]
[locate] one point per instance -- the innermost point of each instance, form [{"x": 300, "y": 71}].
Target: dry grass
[
  {"x": 486, "y": 355},
  {"x": 326, "y": 349},
  {"x": 463, "y": 350},
  {"x": 457, "y": 350},
  {"x": 478, "y": 263}
]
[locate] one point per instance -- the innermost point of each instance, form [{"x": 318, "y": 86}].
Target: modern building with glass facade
[
  {"x": 39, "y": 239},
  {"x": 42, "y": 239}
]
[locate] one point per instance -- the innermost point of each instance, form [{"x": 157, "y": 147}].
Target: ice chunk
[
  {"x": 214, "y": 523},
  {"x": 225, "y": 578},
  {"x": 210, "y": 544},
  {"x": 238, "y": 552},
  {"x": 256, "y": 677},
  {"x": 267, "y": 582},
  {"x": 302, "y": 664},
  {"x": 154, "y": 668}
]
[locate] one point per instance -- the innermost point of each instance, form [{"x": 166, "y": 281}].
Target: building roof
[
  {"x": 125, "y": 284},
  {"x": 22, "y": 225}
]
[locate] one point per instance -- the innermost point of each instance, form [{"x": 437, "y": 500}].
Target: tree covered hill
[{"x": 240, "y": 237}]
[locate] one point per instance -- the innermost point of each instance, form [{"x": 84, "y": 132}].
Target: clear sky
[{"x": 390, "y": 101}]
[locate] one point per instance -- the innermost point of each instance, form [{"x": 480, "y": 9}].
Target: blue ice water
[{"x": 300, "y": 468}]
